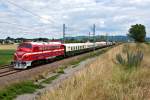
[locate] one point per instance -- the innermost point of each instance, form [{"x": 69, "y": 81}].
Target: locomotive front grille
[{"x": 19, "y": 64}]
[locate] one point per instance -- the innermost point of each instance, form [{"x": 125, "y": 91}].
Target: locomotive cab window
[{"x": 25, "y": 45}]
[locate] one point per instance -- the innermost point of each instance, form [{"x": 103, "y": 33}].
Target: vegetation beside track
[
  {"x": 8, "y": 47},
  {"x": 6, "y": 56},
  {"x": 107, "y": 79},
  {"x": 6, "y": 53},
  {"x": 12, "y": 91}
]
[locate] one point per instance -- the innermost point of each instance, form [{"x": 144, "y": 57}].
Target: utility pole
[
  {"x": 64, "y": 29},
  {"x": 89, "y": 36},
  {"x": 106, "y": 38},
  {"x": 94, "y": 35},
  {"x": 112, "y": 38}
]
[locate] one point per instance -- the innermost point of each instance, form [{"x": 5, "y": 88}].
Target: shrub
[{"x": 131, "y": 59}]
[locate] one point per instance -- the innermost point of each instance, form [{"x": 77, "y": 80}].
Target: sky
[{"x": 44, "y": 18}]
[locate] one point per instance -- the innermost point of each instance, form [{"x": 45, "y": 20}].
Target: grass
[
  {"x": 61, "y": 70},
  {"x": 11, "y": 92},
  {"x": 50, "y": 79},
  {"x": 6, "y": 56},
  {"x": 129, "y": 58},
  {"x": 104, "y": 79},
  {"x": 89, "y": 55}
]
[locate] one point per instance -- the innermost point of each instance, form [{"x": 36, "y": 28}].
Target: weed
[
  {"x": 49, "y": 80},
  {"x": 60, "y": 70},
  {"x": 11, "y": 92}
]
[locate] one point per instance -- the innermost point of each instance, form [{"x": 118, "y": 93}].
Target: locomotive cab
[{"x": 21, "y": 59}]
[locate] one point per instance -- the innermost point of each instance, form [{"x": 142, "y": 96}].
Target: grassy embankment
[
  {"x": 6, "y": 54},
  {"x": 12, "y": 91},
  {"x": 16, "y": 89},
  {"x": 106, "y": 79}
]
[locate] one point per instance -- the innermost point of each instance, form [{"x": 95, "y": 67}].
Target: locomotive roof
[{"x": 41, "y": 43}]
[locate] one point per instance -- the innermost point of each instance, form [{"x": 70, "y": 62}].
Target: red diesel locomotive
[{"x": 28, "y": 52}]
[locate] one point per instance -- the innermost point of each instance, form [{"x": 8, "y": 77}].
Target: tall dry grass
[{"x": 105, "y": 80}]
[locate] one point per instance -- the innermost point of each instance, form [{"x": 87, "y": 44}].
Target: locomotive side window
[{"x": 25, "y": 45}]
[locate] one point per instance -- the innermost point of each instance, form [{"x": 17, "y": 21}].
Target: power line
[
  {"x": 13, "y": 24},
  {"x": 34, "y": 14}
]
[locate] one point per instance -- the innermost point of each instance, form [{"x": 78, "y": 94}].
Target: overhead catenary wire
[
  {"x": 33, "y": 14},
  {"x": 15, "y": 24}
]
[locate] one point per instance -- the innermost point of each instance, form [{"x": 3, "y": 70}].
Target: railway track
[
  {"x": 4, "y": 66},
  {"x": 7, "y": 70}
]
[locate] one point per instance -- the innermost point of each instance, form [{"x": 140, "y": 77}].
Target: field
[
  {"x": 6, "y": 53},
  {"x": 8, "y": 47},
  {"x": 106, "y": 79}
]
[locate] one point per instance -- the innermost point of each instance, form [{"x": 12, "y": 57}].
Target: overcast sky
[{"x": 44, "y": 18}]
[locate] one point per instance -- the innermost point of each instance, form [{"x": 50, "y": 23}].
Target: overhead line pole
[
  {"x": 64, "y": 29},
  {"x": 94, "y": 35},
  {"x": 89, "y": 36}
]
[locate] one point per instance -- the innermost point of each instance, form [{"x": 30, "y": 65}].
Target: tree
[{"x": 137, "y": 32}]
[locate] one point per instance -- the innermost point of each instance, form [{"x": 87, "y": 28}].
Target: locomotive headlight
[{"x": 23, "y": 63}]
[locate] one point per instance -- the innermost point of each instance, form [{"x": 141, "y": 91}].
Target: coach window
[{"x": 71, "y": 48}]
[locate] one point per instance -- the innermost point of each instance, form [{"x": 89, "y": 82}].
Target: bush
[{"x": 131, "y": 59}]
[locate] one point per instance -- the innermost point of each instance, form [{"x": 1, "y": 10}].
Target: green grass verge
[
  {"x": 61, "y": 70},
  {"x": 49, "y": 80},
  {"x": 6, "y": 56},
  {"x": 12, "y": 91}
]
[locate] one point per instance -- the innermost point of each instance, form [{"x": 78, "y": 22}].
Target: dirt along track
[{"x": 36, "y": 72}]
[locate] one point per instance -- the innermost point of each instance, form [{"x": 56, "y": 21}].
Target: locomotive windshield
[{"x": 25, "y": 45}]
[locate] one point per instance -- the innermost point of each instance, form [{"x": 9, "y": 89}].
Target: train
[{"x": 30, "y": 53}]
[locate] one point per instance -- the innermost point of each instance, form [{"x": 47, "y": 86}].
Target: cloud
[{"x": 110, "y": 16}]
